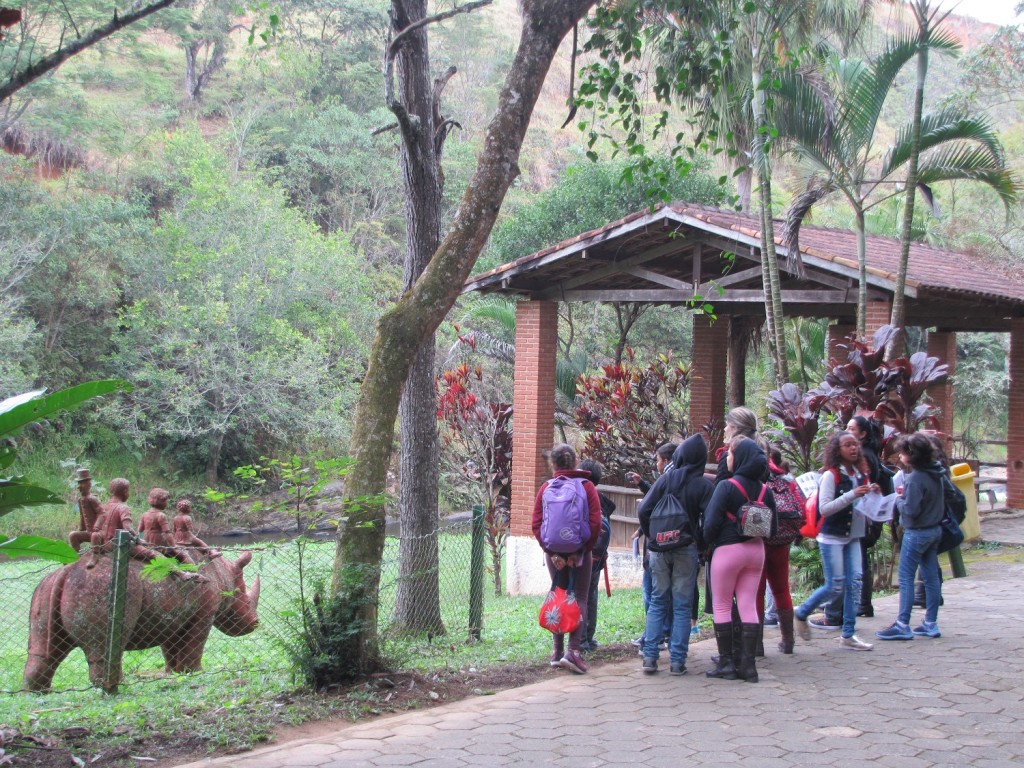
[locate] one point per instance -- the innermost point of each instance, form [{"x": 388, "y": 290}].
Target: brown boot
[{"x": 786, "y": 630}]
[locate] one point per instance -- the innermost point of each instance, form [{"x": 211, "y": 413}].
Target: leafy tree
[
  {"x": 50, "y": 33},
  {"x": 240, "y": 320},
  {"x": 587, "y": 196},
  {"x": 413, "y": 320}
]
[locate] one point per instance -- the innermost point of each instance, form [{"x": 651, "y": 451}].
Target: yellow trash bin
[{"x": 963, "y": 478}]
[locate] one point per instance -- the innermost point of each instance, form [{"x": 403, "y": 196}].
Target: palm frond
[
  {"x": 947, "y": 125},
  {"x": 797, "y": 212},
  {"x": 960, "y": 161}
]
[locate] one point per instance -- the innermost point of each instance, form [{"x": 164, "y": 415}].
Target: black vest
[{"x": 840, "y": 523}]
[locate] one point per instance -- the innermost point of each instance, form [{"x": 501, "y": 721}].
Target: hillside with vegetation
[{"x": 216, "y": 216}]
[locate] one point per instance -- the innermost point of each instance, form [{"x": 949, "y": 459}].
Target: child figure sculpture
[{"x": 184, "y": 533}]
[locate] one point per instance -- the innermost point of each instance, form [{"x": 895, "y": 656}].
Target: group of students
[{"x": 741, "y": 567}]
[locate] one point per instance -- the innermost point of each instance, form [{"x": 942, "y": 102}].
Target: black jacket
[
  {"x": 686, "y": 482},
  {"x": 749, "y": 462}
]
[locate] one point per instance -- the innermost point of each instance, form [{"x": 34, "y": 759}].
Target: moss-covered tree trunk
[
  {"x": 417, "y": 106},
  {"x": 406, "y": 326}
]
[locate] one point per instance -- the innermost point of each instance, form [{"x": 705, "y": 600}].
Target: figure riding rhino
[{"x": 69, "y": 610}]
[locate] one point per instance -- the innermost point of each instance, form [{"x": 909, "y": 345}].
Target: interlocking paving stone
[{"x": 954, "y": 701}]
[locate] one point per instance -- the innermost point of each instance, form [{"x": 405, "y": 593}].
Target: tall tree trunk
[
  {"x": 922, "y": 13},
  {"x": 417, "y": 601},
  {"x": 403, "y": 329},
  {"x": 862, "y": 266},
  {"x": 769, "y": 258}
]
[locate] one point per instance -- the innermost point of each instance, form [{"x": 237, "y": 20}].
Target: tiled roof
[{"x": 930, "y": 270}]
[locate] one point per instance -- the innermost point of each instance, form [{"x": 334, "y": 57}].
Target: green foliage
[
  {"x": 243, "y": 326},
  {"x": 160, "y": 567},
  {"x": 588, "y": 196},
  {"x": 37, "y": 546}
]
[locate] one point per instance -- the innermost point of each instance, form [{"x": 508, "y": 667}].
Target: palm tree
[
  {"x": 747, "y": 43},
  {"x": 831, "y": 129}
]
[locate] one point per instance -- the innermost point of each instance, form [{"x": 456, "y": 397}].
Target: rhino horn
[{"x": 243, "y": 560}]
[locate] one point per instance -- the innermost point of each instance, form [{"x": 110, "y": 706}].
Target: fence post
[
  {"x": 956, "y": 563},
  {"x": 115, "y": 611},
  {"x": 476, "y": 574}
]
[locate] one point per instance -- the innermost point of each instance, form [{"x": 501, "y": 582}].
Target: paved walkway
[{"x": 955, "y": 701}]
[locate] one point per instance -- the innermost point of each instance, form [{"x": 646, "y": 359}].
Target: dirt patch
[{"x": 289, "y": 717}]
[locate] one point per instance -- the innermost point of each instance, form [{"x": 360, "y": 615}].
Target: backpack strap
[{"x": 743, "y": 490}]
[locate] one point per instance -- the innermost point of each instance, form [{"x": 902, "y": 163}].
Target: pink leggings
[{"x": 736, "y": 570}]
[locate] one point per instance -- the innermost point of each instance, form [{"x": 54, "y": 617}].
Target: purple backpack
[{"x": 565, "y": 525}]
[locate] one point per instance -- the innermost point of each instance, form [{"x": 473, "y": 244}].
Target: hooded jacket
[
  {"x": 923, "y": 502},
  {"x": 686, "y": 481},
  {"x": 749, "y": 464}
]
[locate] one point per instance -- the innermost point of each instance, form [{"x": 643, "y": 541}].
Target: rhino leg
[
  {"x": 184, "y": 651},
  {"x": 48, "y": 642}
]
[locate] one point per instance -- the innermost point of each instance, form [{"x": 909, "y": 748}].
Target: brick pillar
[
  {"x": 838, "y": 336},
  {"x": 1015, "y": 430},
  {"x": 879, "y": 313},
  {"x": 942, "y": 344},
  {"x": 709, "y": 356},
  {"x": 534, "y": 402}
]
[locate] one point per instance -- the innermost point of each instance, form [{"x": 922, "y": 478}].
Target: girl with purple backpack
[{"x": 573, "y": 553}]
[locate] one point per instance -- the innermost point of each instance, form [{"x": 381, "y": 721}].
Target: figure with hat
[{"x": 88, "y": 510}]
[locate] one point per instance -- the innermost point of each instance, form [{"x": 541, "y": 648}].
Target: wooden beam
[
  {"x": 614, "y": 268},
  {"x": 732, "y": 278},
  {"x": 737, "y": 296},
  {"x": 654, "y": 277}
]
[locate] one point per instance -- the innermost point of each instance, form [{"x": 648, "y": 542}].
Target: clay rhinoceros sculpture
[{"x": 69, "y": 610}]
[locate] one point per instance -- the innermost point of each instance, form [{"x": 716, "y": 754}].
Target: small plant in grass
[{"x": 326, "y": 631}]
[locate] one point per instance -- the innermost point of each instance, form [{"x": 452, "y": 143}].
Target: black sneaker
[
  {"x": 677, "y": 669},
  {"x": 650, "y": 665},
  {"x": 823, "y": 622}
]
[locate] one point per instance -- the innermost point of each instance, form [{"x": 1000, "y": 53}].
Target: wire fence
[{"x": 73, "y": 625}]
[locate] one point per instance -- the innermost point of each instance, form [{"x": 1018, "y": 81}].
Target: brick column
[
  {"x": 1015, "y": 430},
  {"x": 709, "y": 356},
  {"x": 534, "y": 403},
  {"x": 942, "y": 344},
  {"x": 838, "y": 336},
  {"x": 879, "y": 313}
]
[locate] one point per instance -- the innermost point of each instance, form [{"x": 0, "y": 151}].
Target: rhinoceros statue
[{"x": 69, "y": 610}]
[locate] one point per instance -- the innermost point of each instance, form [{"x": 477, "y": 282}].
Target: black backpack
[
  {"x": 669, "y": 525},
  {"x": 956, "y": 502}
]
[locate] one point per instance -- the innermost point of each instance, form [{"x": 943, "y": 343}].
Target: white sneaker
[{"x": 855, "y": 643}]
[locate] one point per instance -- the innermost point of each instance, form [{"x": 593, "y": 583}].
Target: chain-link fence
[{"x": 80, "y": 608}]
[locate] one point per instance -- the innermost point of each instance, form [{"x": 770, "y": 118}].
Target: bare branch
[
  {"x": 62, "y": 54},
  {"x": 467, "y": 8}
]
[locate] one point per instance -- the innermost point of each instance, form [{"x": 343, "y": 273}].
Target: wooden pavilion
[{"x": 678, "y": 253}]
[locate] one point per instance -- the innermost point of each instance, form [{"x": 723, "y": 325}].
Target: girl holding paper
[{"x": 844, "y": 481}]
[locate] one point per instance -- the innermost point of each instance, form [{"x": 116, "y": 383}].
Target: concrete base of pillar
[{"x": 526, "y": 573}]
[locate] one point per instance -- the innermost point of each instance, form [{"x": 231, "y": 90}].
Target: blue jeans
[
  {"x": 674, "y": 573},
  {"x": 646, "y": 590},
  {"x": 843, "y": 575},
  {"x": 920, "y": 548}
]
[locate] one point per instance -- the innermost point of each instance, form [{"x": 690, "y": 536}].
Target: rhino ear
[{"x": 243, "y": 560}]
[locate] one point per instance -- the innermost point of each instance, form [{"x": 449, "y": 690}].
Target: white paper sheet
[{"x": 876, "y": 507}]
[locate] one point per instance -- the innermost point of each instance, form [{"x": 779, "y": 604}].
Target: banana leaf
[
  {"x": 37, "y": 546},
  {"x": 17, "y": 411},
  {"x": 16, "y": 493}
]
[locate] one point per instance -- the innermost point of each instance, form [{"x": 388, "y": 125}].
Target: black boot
[
  {"x": 759, "y": 648},
  {"x": 724, "y": 667},
  {"x": 747, "y": 669}
]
